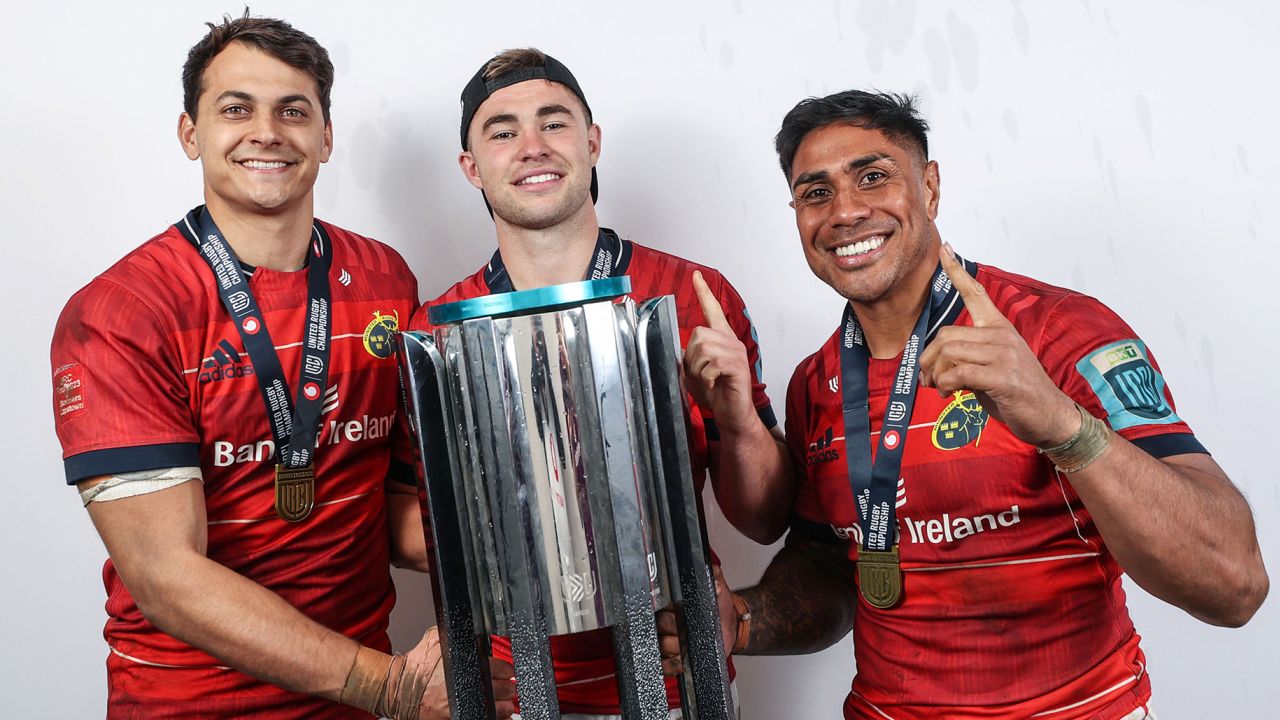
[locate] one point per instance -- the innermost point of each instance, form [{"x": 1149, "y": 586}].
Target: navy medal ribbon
[
  {"x": 295, "y": 424},
  {"x": 875, "y": 485}
]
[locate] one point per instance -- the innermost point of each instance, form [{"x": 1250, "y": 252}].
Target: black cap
[{"x": 478, "y": 90}]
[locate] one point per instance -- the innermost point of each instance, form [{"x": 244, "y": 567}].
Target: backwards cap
[{"x": 478, "y": 90}]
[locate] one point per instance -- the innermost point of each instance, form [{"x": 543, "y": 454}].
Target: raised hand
[
  {"x": 715, "y": 364},
  {"x": 992, "y": 360}
]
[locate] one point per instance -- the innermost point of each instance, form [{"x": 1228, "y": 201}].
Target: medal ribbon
[
  {"x": 875, "y": 486},
  {"x": 610, "y": 254},
  {"x": 294, "y": 425}
]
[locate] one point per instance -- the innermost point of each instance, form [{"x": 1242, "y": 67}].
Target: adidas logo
[
  {"x": 820, "y": 450},
  {"x": 226, "y": 363}
]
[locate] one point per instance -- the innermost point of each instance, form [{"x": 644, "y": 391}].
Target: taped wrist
[
  {"x": 406, "y": 684},
  {"x": 1081, "y": 449},
  {"x": 367, "y": 679},
  {"x": 386, "y": 685}
]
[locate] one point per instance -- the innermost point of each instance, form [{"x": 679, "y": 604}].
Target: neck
[
  {"x": 550, "y": 256},
  {"x": 276, "y": 241},
  {"x": 888, "y": 321}
]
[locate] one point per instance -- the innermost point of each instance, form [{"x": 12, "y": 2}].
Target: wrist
[
  {"x": 742, "y": 632},
  {"x": 366, "y": 680},
  {"x": 1085, "y": 445},
  {"x": 1065, "y": 426}
]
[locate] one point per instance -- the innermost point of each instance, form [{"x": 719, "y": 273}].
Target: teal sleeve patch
[
  {"x": 759, "y": 366},
  {"x": 1127, "y": 385}
]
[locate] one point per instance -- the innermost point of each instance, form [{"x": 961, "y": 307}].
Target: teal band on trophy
[{"x": 544, "y": 299}]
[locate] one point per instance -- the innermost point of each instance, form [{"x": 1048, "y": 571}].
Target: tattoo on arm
[{"x": 805, "y": 601}]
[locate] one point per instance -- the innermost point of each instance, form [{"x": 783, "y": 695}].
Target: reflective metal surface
[{"x": 562, "y": 436}]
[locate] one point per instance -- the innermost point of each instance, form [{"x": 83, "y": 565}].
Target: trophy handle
[
  {"x": 704, "y": 688},
  {"x": 465, "y": 651}
]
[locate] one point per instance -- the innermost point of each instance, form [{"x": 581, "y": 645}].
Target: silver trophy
[{"x": 551, "y": 425}]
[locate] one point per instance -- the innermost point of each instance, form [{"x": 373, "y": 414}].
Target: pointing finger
[
  {"x": 981, "y": 309},
  {"x": 711, "y": 309}
]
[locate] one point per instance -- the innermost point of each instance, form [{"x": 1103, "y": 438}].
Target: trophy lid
[{"x": 529, "y": 302}]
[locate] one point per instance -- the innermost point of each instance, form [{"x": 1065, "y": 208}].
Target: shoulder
[
  {"x": 161, "y": 274},
  {"x": 469, "y": 287},
  {"x": 1036, "y": 307},
  {"x": 366, "y": 252},
  {"x": 472, "y": 286},
  {"x": 672, "y": 272}
]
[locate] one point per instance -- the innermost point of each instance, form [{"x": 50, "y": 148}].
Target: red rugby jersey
[
  {"x": 584, "y": 663},
  {"x": 1012, "y": 607},
  {"x": 150, "y": 372}
]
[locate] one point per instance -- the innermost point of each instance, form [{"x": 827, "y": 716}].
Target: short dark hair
[
  {"x": 276, "y": 38},
  {"x": 893, "y": 114}
]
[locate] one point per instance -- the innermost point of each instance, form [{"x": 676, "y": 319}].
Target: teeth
[
  {"x": 545, "y": 177},
  {"x": 260, "y": 165},
  {"x": 859, "y": 248}
]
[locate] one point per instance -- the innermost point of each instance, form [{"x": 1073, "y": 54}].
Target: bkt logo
[
  {"x": 820, "y": 450},
  {"x": 225, "y": 364},
  {"x": 239, "y": 301}
]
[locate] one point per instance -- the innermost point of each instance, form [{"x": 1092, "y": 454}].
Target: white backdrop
[{"x": 1122, "y": 149}]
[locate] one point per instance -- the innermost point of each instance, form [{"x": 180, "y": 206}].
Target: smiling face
[
  {"x": 865, "y": 206},
  {"x": 260, "y": 134},
  {"x": 531, "y": 152}
]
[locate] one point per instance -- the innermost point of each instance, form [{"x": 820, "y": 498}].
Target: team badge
[
  {"x": 1127, "y": 384},
  {"x": 379, "y": 335},
  {"x": 960, "y": 423}
]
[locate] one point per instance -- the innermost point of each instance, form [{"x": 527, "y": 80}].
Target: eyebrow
[
  {"x": 543, "y": 111},
  {"x": 246, "y": 97},
  {"x": 546, "y": 110},
  {"x": 855, "y": 164}
]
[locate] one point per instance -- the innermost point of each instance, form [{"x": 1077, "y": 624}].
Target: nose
[
  {"x": 265, "y": 130},
  {"x": 533, "y": 145},
  {"x": 848, "y": 208}
]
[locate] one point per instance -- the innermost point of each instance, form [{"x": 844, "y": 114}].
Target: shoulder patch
[{"x": 1127, "y": 385}]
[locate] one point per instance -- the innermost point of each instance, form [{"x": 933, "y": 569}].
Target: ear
[
  {"x": 328, "y": 142},
  {"x": 932, "y": 186},
  {"x": 470, "y": 170},
  {"x": 593, "y": 143},
  {"x": 187, "y": 136}
]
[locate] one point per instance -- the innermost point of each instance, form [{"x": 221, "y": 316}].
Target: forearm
[
  {"x": 244, "y": 625},
  {"x": 804, "y": 603},
  {"x": 408, "y": 533},
  {"x": 1179, "y": 528},
  {"x": 754, "y": 481}
]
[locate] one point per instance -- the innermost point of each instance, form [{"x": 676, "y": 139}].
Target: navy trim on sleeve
[
  {"x": 1169, "y": 444},
  {"x": 402, "y": 473},
  {"x": 113, "y": 461},
  {"x": 766, "y": 416},
  {"x": 815, "y": 531}
]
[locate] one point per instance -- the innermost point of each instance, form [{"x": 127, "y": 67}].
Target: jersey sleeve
[
  {"x": 809, "y": 519},
  {"x": 735, "y": 311},
  {"x": 1101, "y": 363},
  {"x": 120, "y": 400}
]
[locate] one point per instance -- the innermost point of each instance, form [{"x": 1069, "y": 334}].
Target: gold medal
[
  {"x": 880, "y": 577},
  {"x": 295, "y": 492}
]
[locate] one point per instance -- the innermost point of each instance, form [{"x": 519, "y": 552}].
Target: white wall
[{"x": 1123, "y": 149}]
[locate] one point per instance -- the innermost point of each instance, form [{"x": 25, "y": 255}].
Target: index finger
[
  {"x": 976, "y": 300},
  {"x": 711, "y": 309}
]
